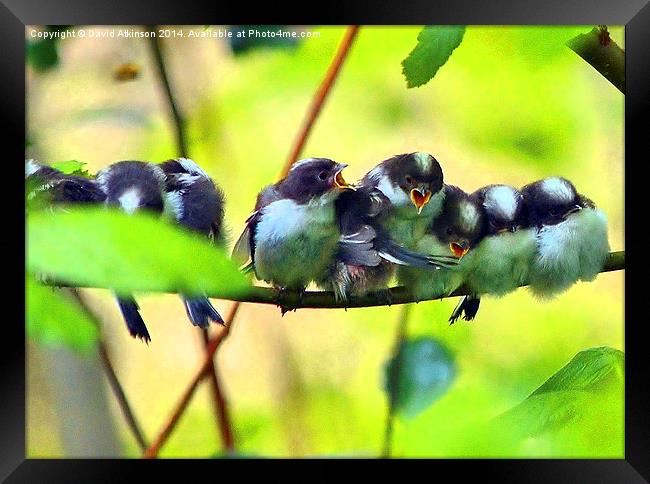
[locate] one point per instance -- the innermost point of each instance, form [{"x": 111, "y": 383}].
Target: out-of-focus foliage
[
  {"x": 418, "y": 375},
  {"x": 71, "y": 167},
  {"x": 511, "y": 105},
  {"x": 435, "y": 45},
  {"x": 242, "y": 40},
  {"x": 55, "y": 319},
  {"x": 106, "y": 248},
  {"x": 43, "y": 54}
]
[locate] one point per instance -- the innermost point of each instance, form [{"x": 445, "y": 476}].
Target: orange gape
[
  {"x": 457, "y": 250},
  {"x": 419, "y": 199}
]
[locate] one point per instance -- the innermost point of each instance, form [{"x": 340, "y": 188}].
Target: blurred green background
[{"x": 512, "y": 104}]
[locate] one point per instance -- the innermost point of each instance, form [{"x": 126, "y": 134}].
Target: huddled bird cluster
[{"x": 401, "y": 220}]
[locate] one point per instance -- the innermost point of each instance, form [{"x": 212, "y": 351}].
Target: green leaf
[
  {"x": 420, "y": 373},
  {"x": 42, "y": 54},
  {"x": 435, "y": 45},
  {"x": 98, "y": 247},
  {"x": 54, "y": 318},
  {"x": 591, "y": 377},
  {"x": 586, "y": 371},
  {"x": 70, "y": 167}
]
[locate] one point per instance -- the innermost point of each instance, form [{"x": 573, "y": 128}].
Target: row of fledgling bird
[{"x": 400, "y": 220}]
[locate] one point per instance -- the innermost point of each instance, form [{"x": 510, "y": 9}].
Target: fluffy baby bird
[
  {"x": 366, "y": 254},
  {"x": 571, "y": 236},
  {"x": 197, "y": 204},
  {"x": 133, "y": 186},
  {"x": 457, "y": 229},
  {"x": 291, "y": 237},
  {"x": 501, "y": 261},
  {"x": 400, "y": 197},
  {"x": 58, "y": 187}
]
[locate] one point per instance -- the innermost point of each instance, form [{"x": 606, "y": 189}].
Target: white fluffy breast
[
  {"x": 574, "y": 249},
  {"x": 281, "y": 219},
  {"x": 130, "y": 200}
]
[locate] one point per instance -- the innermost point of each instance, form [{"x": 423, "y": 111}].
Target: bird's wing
[
  {"x": 358, "y": 249},
  {"x": 244, "y": 248}
]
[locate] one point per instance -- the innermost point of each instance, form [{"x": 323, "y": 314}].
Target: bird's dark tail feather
[
  {"x": 133, "y": 319},
  {"x": 400, "y": 255},
  {"x": 468, "y": 305},
  {"x": 201, "y": 311}
]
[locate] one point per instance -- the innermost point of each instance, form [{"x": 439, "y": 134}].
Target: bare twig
[
  {"x": 113, "y": 380},
  {"x": 211, "y": 348},
  {"x": 326, "y": 299},
  {"x": 177, "y": 117},
  {"x": 220, "y": 404},
  {"x": 599, "y": 49}
]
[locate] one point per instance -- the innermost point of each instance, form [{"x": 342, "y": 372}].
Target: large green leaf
[
  {"x": 54, "y": 318},
  {"x": 418, "y": 375},
  {"x": 435, "y": 45},
  {"x": 591, "y": 377},
  {"x": 98, "y": 247}
]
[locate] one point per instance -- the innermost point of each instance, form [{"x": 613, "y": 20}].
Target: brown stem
[
  {"x": 177, "y": 117},
  {"x": 222, "y": 414},
  {"x": 599, "y": 49},
  {"x": 113, "y": 381},
  {"x": 211, "y": 348}
]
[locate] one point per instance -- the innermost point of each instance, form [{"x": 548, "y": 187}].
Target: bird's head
[
  {"x": 461, "y": 222},
  {"x": 314, "y": 178},
  {"x": 551, "y": 201}
]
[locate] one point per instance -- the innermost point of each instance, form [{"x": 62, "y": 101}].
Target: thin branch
[
  {"x": 213, "y": 345},
  {"x": 326, "y": 299},
  {"x": 222, "y": 413},
  {"x": 396, "y": 354},
  {"x": 113, "y": 381},
  {"x": 178, "y": 119},
  {"x": 211, "y": 348},
  {"x": 599, "y": 49},
  {"x": 121, "y": 397}
]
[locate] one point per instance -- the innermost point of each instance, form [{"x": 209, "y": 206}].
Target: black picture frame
[{"x": 634, "y": 14}]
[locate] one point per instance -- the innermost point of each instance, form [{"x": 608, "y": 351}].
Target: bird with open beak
[
  {"x": 500, "y": 262},
  {"x": 456, "y": 230},
  {"x": 366, "y": 254},
  {"x": 133, "y": 186},
  {"x": 398, "y": 199},
  {"x": 197, "y": 204},
  {"x": 571, "y": 236},
  {"x": 292, "y": 237}
]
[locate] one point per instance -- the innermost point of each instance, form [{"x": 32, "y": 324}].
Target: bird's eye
[
  {"x": 449, "y": 231},
  {"x": 323, "y": 175},
  {"x": 554, "y": 211},
  {"x": 409, "y": 179}
]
